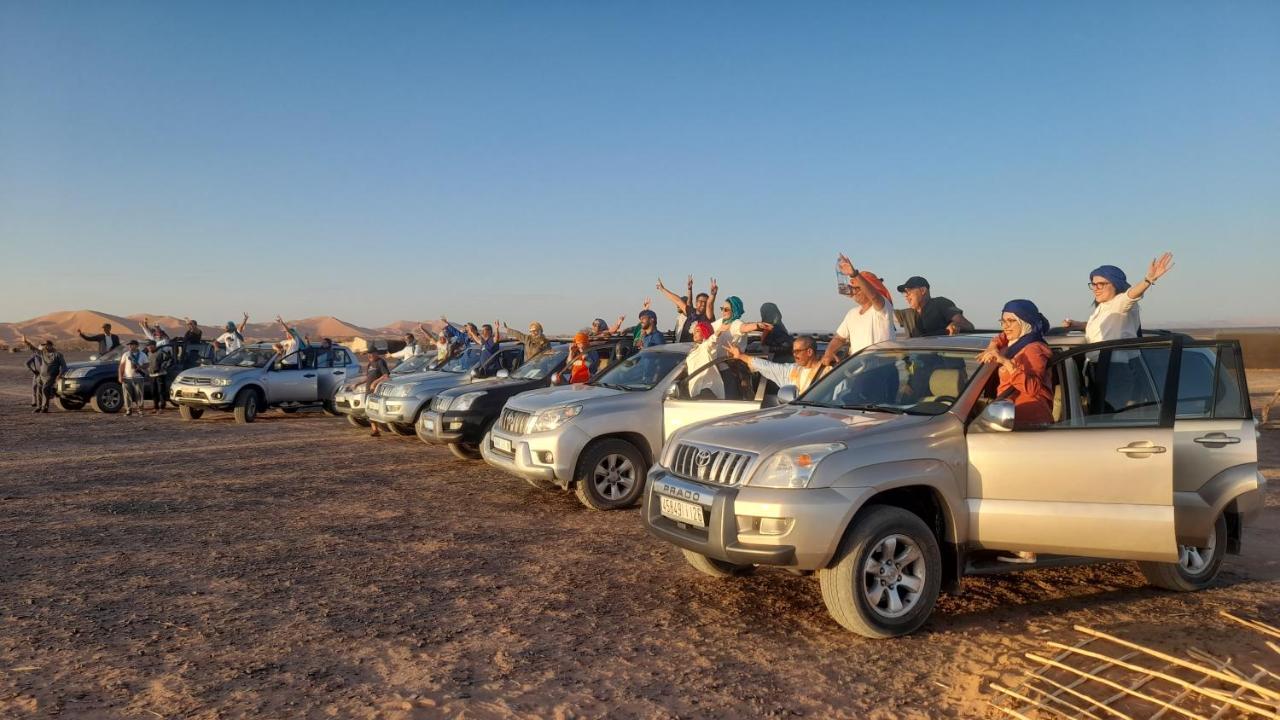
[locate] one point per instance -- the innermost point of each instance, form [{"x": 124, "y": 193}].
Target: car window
[
  {"x": 918, "y": 382},
  {"x": 641, "y": 371},
  {"x": 1209, "y": 384},
  {"x": 541, "y": 365},
  {"x": 722, "y": 380},
  {"x": 248, "y": 357},
  {"x": 1117, "y": 388}
]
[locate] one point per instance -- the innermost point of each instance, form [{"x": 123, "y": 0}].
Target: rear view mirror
[
  {"x": 503, "y": 374},
  {"x": 786, "y": 394},
  {"x": 998, "y": 416}
]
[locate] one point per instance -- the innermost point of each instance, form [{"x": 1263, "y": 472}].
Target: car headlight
[
  {"x": 221, "y": 381},
  {"x": 78, "y": 372},
  {"x": 464, "y": 401},
  {"x": 794, "y": 467},
  {"x": 555, "y": 417},
  {"x": 398, "y": 390}
]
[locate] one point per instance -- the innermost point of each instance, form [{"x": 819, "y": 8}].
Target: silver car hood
[
  {"x": 766, "y": 431},
  {"x": 219, "y": 371},
  {"x": 536, "y": 400},
  {"x": 432, "y": 379}
]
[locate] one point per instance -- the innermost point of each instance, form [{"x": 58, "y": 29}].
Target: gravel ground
[{"x": 296, "y": 568}]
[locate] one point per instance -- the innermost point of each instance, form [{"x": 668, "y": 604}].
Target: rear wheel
[
  {"x": 247, "y": 406},
  {"x": 715, "y": 568},
  {"x": 400, "y": 429},
  {"x": 610, "y": 475},
  {"x": 329, "y": 408},
  {"x": 465, "y": 451},
  {"x": 1197, "y": 567},
  {"x": 358, "y": 421},
  {"x": 108, "y": 398},
  {"x": 70, "y": 403},
  {"x": 886, "y": 575},
  {"x": 190, "y": 413}
]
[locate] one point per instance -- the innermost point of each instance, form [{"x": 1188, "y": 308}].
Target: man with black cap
[
  {"x": 106, "y": 339},
  {"x": 927, "y": 315},
  {"x": 159, "y": 361},
  {"x": 131, "y": 372},
  {"x": 52, "y": 365}
]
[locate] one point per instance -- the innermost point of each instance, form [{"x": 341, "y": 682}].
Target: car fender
[
  {"x": 931, "y": 473},
  {"x": 1196, "y": 511}
]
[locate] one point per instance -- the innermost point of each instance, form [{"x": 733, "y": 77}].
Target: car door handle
[
  {"x": 339, "y": 372},
  {"x": 1142, "y": 447},
  {"x": 309, "y": 375},
  {"x": 1217, "y": 439}
]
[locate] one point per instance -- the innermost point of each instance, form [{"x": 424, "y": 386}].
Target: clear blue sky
[{"x": 549, "y": 160}]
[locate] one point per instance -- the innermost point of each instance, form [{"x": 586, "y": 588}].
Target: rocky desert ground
[{"x": 296, "y": 568}]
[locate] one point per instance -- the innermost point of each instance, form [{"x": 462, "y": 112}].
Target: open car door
[
  {"x": 724, "y": 387},
  {"x": 1098, "y": 480}
]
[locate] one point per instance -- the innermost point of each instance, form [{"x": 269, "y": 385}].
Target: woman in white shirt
[
  {"x": 729, "y": 329},
  {"x": 1115, "y": 303},
  {"x": 706, "y": 350}
]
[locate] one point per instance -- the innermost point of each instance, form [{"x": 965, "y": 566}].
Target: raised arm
[
  {"x": 1158, "y": 268},
  {"x": 511, "y": 333},
  {"x": 146, "y": 325},
  {"x": 711, "y": 299},
  {"x": 422, "y": 327},
  {"x": 617, "y": 327},
  {"x": 243, "y": 323},
  {"x": 675, "y": 299},
  {"x": 855, "y": 278},
  {"x": 27, "y": 342},
  {"x": 90, "y": 338}
]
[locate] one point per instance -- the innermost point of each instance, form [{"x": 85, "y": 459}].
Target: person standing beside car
[
  {"x": 375, "y": 374},
  {"x": 33, "y": 364},
  {"x": 106, "y": 339},
  {"x": 870, "y": 322},
  {"x": 52, "y": 366},
  {"x": 159, "y": 362},
  {"x": 932, "y": 315},
  {"x": 131, "y": 374}
]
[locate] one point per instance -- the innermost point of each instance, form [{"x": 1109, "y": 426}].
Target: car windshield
[
  {"x": 541, "y": 365},
  {"x": 463, "y": 362},
  {"x": 417, "y": 363},
  {"x": 113, "y": 354},
  {"x": 639, "y": 372},
  {"x": 912, "y": 382},
  {"x": 248, "y": 357}
]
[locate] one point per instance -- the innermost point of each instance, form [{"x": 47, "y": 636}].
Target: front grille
[
  {"x": 516, "y": 422},
  {"x": 384, "y": 390},
  {"x": 441, "y": 403},
  {"x": 197, "y": 381},
  {"x": 720, "y": 466}
]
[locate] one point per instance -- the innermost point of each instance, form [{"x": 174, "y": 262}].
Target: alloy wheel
[
  {"x": 614, "y": 477},
  {"x": 1195, "y": 560},
  {"x": 893, "y": 576}
]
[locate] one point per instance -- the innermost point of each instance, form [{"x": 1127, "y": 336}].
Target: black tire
[
  {"x": 715, "y": 568},
  {"x": 70, "y": 404},
  {"x": 401, "y": 430},
  {"x": 358, "y": 421},
  {"x": 610, "y": 475},
  {"x": 465, "y": 451},
  {"x": 900, "y": 546},
  {"x": 247, "y": 403},
  {"x": 288, "y": 410},
  {"x": 190, "y": 413},
  {"x": 1196, "y": 568},
  {"x": 329, "y": 408},
  {"x": 108, "y": 398}
]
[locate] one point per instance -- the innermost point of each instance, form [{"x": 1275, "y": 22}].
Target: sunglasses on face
[{"x": 726, "y": 308}]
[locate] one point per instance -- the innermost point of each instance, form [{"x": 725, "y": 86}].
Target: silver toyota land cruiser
[
  {"x": 900, "y": 472},
  {"x": 255, "y": 377}
]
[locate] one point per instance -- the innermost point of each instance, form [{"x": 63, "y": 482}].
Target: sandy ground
[{"x": 296, "y": 568}]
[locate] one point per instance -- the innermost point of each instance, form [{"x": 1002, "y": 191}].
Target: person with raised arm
[
  {"x": 1115, "y": 302},
  {"x": 690, "y": 314},
  {"x": 291, "y": 346},
  {"x": 52, "y": 366},
  {"x": 106, "y": 339},
  {"x": 799, "y": 374},
  {"x": 232, "y": 338},
  {"x": 535, "y": 341},
  {"x": 870, "y": 322}
]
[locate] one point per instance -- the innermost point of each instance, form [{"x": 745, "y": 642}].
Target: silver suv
[
  {"x": 900, "y": 472},
  {"x": 399, "y": 401},
  {"x": 599, "y": 438},
  {"x": 256, "y": 377},
  {"x": 349, "y": 398}
]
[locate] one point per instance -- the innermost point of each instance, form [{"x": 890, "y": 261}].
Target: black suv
[
  {"x": 460, "y": 417},
  {"x": 94, "y": 383}
]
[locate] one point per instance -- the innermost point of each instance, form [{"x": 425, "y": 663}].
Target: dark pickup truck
[
  {"x": 94, "y": 382},
  {"x": 460, "y": 417}
]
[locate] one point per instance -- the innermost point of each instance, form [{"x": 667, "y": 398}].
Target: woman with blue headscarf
[
  {"x": 1115, "y": 301},
  {"x": 1023, "y": 359}
]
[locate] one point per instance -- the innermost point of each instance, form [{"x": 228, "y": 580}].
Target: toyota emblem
[{"x": 703, "y": 458}]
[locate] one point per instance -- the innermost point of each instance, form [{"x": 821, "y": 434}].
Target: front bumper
[
  {"x": 349, "y": 404},
  {"x": 806, "y": 524},
  {"x": 451, "y": 427},
  {"x": 400, "y": 410},
  {"x": 202, "y": 395},
  {"x": 73, "y": 388},
  {"x": 529, "y": 453}
]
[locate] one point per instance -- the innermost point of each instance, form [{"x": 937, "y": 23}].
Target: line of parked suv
[{"x": 890, "y": 479}]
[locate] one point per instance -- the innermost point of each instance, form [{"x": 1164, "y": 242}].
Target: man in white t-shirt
[
  {"x": 132, "y": 374},
  {"x": 870, "y": 322},
  {"x": 233, "y": 338}
]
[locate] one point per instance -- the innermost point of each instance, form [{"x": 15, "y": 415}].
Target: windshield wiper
[{"x": 875, "y": 407}]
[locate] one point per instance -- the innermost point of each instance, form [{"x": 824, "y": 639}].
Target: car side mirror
[
  {"x": 503, "y": 374},
  {"x": 998, "y": 416},
  {"x": 786, "y": 394},
  {"x": 673, "y": 391}
]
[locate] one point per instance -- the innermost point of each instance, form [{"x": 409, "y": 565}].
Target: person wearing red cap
[
  {"x": 581, "y": 363},
  {"x": 868, "y": 323},
  {"x": 706, "y": 349}
]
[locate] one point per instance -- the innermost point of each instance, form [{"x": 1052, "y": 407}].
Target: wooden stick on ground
[
  {"x": 1084, "y": 697},
  {"x": 1252, "y": 624},
  {"x": 1054, "y": 697},
  {"x": 1238, "y": 693},
  {"x": 1180, "y": 697},
  {"x": 1210, "y": 693},
  {"x": 1262, "y": 691},
  {"x": 1030, "y": 701},
  {"x": 1095, "y": 669},
  {"x": 1117, "y": 686}
]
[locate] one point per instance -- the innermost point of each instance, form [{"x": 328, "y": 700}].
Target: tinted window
[
  {"x": 639, "y": 372},
  {"x": 1208, "y": 381},
  {"x": 1121, "y": 388},
  {"x": 922, "y": 382}
]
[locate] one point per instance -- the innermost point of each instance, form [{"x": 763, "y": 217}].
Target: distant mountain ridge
[{"x": 61, "y": 327}]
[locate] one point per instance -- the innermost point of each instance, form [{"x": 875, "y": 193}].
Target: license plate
[
  {"x": 428, "y": 424},
  {"x": 501, "y": 443},
  {"x": 681, "y": 511}
]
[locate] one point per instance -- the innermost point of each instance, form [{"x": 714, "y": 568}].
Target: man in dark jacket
[
  {"x": 33, "y": 364},
  {"x": 159, "y": 362},
  {"x": 106, "y": 339},
  {"x": 51, "y": 368}
]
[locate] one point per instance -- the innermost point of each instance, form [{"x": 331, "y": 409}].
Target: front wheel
[
  {"x": 1197, "y": 567},
  {"x": 610, "y": 475},
  {"x": 400, "y": 429},
  {"x": 70, "y": 403},
  {"x": 886, "y": 576},
  {"x": 358, "y": 421},
  {"x": 465, "y": 451},
  {"x": 246, "y": 406},
  {"x": 715, "y": 568},
  {"x": 329, "y": 408},
  {"x": 108, "y": 398},
  {"x": 190, "y": 413}
]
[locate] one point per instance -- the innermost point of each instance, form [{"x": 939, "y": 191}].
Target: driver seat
[{"x": 944, "y": 382}]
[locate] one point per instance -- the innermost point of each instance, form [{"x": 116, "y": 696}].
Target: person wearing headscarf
[
  {"x": 534, "y": 342},
  {"x": 776, "y": 338},
  {"x": 1023, "y": 359},
  {"x": 232, "y": 338},
  {"x": 870, "y": 322},
  {"x": 581, "y": 363},
  {"x": 1115, "y": 301},
  {"x": 706, "y": 350}
]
